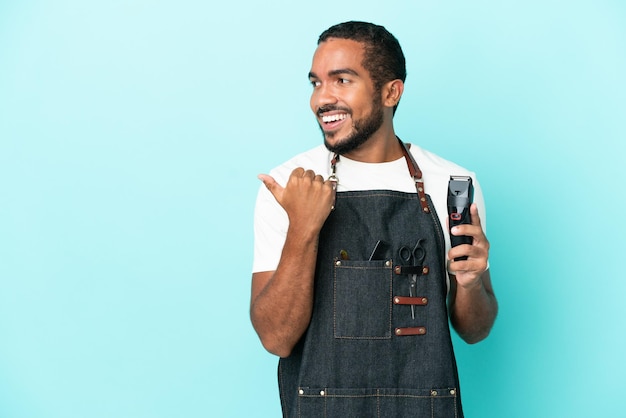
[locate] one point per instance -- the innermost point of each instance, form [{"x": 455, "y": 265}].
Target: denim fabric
[{"x": 350, "y": 362}]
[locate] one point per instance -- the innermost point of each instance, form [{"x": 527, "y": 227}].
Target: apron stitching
[{"x": 432, "y": 407}]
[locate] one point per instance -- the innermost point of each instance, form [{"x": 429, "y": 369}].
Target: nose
[{"x": 322, "y": 95}]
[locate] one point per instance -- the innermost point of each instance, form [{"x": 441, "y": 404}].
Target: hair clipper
[{"x": 460, "y": 197}]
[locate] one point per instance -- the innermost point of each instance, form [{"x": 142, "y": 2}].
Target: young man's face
[{"x": 347, "y": 105}]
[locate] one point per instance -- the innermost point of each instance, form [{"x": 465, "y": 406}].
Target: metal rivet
[
  {"x": 424, "y": 301},
  {"x": 387, "y": 263},
  {"x": 425, "y": 270},
  {"x": 337, "y": 263},
  {"x": 301, "y": 392},
  {"x": 422, "y": 330},
  {"x": 398, "y": 331},
  {"x": 421, "y": 189},
  {"x": 452, "y": 392},
  {"x": 322, "y": 393},
  {"x": 423, "y": 199},
  {"x": 398, "y": 270},
  {"x": 396, "y": 300},
  {"x": 426, "y": 210},
  {"x": 433, "y": 392}
]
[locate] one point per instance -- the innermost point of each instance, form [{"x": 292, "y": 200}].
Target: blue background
[{"x": 131, "y": 134}]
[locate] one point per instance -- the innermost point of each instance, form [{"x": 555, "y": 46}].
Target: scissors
[{"x": 414, "y": 257}]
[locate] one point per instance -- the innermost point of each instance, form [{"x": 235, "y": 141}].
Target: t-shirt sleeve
[{"x": 270, "y": 229}]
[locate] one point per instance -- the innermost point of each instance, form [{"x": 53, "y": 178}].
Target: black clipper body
[{"x": 460, "y": 197}]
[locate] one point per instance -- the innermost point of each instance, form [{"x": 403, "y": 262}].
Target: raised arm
[
  {"x": 472, "y": 303},
  {"x": 282, "y": 300}
]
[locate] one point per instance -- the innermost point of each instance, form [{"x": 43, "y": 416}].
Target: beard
[{"x": 362, "y": 130}]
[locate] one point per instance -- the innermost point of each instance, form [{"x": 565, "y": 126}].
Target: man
[{"x": 363, "y": 332}]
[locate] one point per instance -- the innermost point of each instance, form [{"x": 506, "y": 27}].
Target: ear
[{"x": 392, "y": 92}]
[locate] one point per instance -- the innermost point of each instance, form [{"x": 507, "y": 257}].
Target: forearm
[
  {"x": 473, "y": 309},
  {"x": 283, "y": 300}
]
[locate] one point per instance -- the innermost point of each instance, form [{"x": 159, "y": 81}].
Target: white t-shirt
[{"x": 270, "y": 219}]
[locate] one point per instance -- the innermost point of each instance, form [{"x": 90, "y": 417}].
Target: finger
[
  {"x": 474, "y": 251},
  {"x": 459, "y": 251},
  {"x": 271, "y": 184},
  {"x": 309, "y": 174},
  {"x": 476, "y": 260},
  {"x": 474, "y": 228},
  {"x": 474, "y": 215},
  {"x": 297, "y": 172},
  {"x": 472, "y": 267}
]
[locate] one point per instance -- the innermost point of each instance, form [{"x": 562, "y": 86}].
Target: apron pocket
[
  {"x": 377, "y": 403},
  {"x": 362, "y": 299}
]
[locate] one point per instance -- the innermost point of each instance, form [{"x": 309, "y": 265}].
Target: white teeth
[{"x": 334, "y": 118}]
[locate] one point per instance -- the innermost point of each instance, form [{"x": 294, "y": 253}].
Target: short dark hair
[{"x": 383, "y": 57}]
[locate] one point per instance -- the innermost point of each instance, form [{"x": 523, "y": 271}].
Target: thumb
[
  {"x": 271, "y": 184},
  {"x": 474, "y": 215}
]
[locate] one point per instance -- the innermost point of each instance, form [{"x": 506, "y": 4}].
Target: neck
[{"x": 383, "y": 146}]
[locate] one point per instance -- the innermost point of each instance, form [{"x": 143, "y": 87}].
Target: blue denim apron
[{"x": 363, "y": 354}]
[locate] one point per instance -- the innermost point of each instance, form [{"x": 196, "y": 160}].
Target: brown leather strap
[
  {"x": 401, "y": 332},
  {"x": 410, "y": 300},
  {"x": 333, "y": 179},
  {"x": 416, "y": 173},
  {"x": 417, "y": 270}
]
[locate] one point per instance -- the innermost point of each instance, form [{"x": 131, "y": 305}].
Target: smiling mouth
[{"x": 334, "y": 118}]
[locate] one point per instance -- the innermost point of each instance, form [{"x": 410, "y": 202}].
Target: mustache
[{"x": 330, "y": 108}]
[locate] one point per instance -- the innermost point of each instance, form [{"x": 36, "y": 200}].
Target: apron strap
[
  {"x": 416, "y": 173},
  {"x": 414, "y": 170}
]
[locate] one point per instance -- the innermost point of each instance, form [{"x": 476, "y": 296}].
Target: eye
[
  {"x": 315, "y": 83},
  {"x": 343, "y": 81}
]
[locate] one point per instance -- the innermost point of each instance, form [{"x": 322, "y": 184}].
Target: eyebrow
[{"x": 336, "y": 72}]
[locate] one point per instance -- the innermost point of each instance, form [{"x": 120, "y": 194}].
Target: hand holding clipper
[{"x": 460, "y": 198}]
